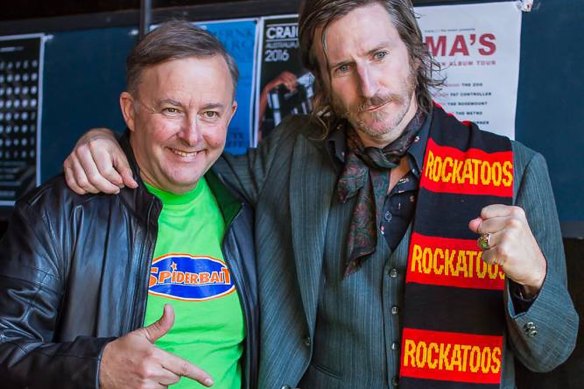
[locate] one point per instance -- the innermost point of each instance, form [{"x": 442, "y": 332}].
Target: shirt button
[
  {"x": 395, "y": 346},
  {"x": 307, "y": 341},
  {"x": 394, "y": 310},
  {"x": 387, "y": 216},
  {"x": 393, "y": 273}
]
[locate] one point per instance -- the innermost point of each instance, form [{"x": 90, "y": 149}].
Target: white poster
[{"x": 477, "y": 46}]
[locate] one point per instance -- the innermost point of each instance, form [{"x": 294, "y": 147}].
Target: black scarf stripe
[
  {"x": 465, "y": 311},
  {"x": 461, "y": 208},
  {"x": 435, "y": 384}
]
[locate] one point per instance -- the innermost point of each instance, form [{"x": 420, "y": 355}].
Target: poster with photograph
[
  {"x": 239, "y": 38},
  {"x": 284, "y": 87},
  {"x": 478, "y": 47},
  {"x": 21, "y": 70}
]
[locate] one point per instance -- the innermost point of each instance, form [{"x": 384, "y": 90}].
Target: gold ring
[{"x": 483, "y": 241}]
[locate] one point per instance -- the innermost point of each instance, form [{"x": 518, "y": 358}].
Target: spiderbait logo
[{"x": 189, "y": 278}]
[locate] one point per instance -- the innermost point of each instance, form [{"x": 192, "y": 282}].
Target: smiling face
[
  {"x": 178, "y": 120},
  {"x": 368, "y": 73}
]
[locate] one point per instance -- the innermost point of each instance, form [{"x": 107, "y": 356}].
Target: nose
[
  {"x": 368, "y": 85},
  {"x": 190, "y": 132}
]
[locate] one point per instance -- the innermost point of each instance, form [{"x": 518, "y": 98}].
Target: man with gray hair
[
  {"x": 367, "y": 218},
  {"x": 84, "y": 279}
]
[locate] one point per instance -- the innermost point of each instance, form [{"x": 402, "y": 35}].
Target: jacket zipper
[
  {"x": 237, "y": 278},
  {"x": 145, "y": 260}
]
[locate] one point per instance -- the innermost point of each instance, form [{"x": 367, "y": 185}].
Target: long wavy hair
[{"x": 319, "y": 14}]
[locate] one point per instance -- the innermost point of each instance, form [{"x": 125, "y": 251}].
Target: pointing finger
[{"x": 184, "y": 368}]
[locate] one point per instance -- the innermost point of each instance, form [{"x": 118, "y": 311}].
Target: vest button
[
  {"x": 307, "y": 341},
  {"x": 393, "y": 273}
]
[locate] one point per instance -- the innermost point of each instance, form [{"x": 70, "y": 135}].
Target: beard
[{"x": 386, "y": 120}]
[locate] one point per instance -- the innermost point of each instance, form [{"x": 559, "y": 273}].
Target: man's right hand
[
  {"x": 98, "y": 164},
  {"x": 133, "y": 361}
]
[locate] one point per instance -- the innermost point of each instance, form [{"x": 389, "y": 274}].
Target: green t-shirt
[{"x": 188, "y": 271}]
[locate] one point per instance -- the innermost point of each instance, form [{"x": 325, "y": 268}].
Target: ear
[
  {"x": 233, "y": 110},
  {"x": 128, "y": 111}
]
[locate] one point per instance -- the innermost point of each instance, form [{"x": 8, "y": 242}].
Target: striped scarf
[{"x": 453, "y": 309}]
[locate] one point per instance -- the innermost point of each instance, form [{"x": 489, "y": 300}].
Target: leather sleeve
[
  {"x": 33, "y": 279},
  {"x": 552, "y": 314}
]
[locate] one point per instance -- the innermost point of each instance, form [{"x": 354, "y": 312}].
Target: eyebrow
[
  {"x": 214, "y": 105},
  {"x": 177, "y": 103},
  {"x": 169, "y": 101}
]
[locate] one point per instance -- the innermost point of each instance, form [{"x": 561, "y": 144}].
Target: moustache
[{"x": 375, "y": 101}]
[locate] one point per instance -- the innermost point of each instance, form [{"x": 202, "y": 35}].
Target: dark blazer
[{"x": 290, "y": 180}]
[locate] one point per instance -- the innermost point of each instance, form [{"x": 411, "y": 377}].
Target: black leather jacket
[{"x": 74, "y": 276}]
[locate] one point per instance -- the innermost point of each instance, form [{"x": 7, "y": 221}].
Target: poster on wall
[
  {"x": 21, "y": 70},
  {"x": 477, "y": 45},
  {"x": 239, "y": 38},
  {"x": 283, "y": 87},
  {"x": 478, "y": 48}
]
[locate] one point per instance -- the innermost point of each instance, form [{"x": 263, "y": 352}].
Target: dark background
[
  {"x": 32, "y": 9},
  {"x": 84, "y": 74}
]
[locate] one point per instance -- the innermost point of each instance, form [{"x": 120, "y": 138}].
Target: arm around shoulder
[
  {"x": 98, "y": 164},
  {"x": 249, "y": 173}
]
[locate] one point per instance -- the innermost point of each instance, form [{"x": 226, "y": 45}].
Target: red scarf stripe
[
  {"x": 449, "y": 170},
  {"x": 451, "y": 356},
  {"x": 451, "y": 262}
]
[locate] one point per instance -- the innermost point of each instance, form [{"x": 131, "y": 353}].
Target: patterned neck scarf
[{"x": 366, "y": 174}]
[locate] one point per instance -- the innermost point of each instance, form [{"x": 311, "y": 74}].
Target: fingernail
[{"x": 208, "y": 382}]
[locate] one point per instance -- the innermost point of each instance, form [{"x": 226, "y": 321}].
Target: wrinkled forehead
[{"x": 213, "y": 69}]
